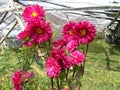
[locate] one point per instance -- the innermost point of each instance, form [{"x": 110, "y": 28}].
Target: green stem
[
  {"x": 74, "y": 70},
  {"x": 67, "y": 74},
  {"x": 87, "y": 49},
  {"x": 83, "y": 66},
  {"x": 52, "y": 84},
  {"x": 58, "y": 84},
  {"x": 49, "y": 45},
  {"x": 86, "y": 53}
]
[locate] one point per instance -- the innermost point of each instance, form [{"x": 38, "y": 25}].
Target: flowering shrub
[{"x": 65, "y": 60}]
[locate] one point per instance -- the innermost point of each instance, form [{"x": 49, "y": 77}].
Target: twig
[
  {"x": 10, "y": 29},
  {"x": 3, "y": 17}
]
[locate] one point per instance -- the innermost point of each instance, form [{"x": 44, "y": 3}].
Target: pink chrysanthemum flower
[
  {"x": 57, "y": 53},
  {"x": 68, "y": 31},
  {"x": 85, "y": 32},
  {"x": 33, "y": 12},
  {"x": 29, "y": 44},
  {"x": 17, "y": 78},
  {"x": 36, "y": 32},
  {"x": 65, "y": 89},
  {"x": 61, "y": 57},
  {"x": 53, "y": 68},
  {"x": 59, "y": 44},
  {"x": 72, "y": 45},
  {"x": 67, "y": 62},
  {"x": 25, "y": 36},
  {"x": 40, "y": 31},
  {"x": 77, "y": 57},
  {"x": 27, "y": 75}
]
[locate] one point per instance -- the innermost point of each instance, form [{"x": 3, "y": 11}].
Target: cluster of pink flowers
[
  {"x": 64, "y": 56},
  {"x": 83, "y": 32},
  {"x": 64, "y": 53},
  {"x": 37, "y": 30},
  {"x": 19, "y": 78}
]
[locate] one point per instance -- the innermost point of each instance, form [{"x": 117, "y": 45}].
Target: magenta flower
[
  {"x": 29, "y": 44},
  {"x": 68, "y": 31},
  {"x": 40, "y": 31},
  {"x": 53, "y": 68},
  {"x": 59, "y": 44},
  {"x": 57, "y": 53},
  {"x": 85, "y": 32},
  {"x": 23, "y": 35},
  {"x": 77, "y": 57},
  {"x": 36, "y": 32},
  {"x": 17, "y": 79},
  {"x": 61, "y": 57},
  {"x": 27, "y": 75},
  {"x": 72, "y": 45},
  {"x": 65, "y": 89},
  {"x": 33, "y": 12},
  {"x": 67, "y": 62}
]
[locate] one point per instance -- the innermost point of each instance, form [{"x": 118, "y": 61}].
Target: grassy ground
[{"x": 102, "y": 70}]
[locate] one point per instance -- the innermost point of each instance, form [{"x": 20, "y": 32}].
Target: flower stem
[
  {"x": 67, "y": 74},
  {"x": 49, "y": 42},
  {"x": 87, "y": 49},
  {"x": 58, "y": 84},
  {"x": 74, "y": 70},
  {"x": 52, "y": 84},
  {"x": 83, "y": 66}
]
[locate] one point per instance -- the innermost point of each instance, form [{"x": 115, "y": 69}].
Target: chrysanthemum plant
[{"x": 64, "y": 57}]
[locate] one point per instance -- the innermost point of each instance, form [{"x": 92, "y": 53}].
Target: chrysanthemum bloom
[
  {"x": 40, "y": 31},
  {"x": 29, "y": 44},
  {"x": 77, "y": 57},
  {"x": 33, "y": 12},
  {"x": 27, "y": 75},
  {"x": 57, "y": 53},
  {"x": 72, "y": 45},
  {"x": 68, "y": 31},
  {"x": 53, "y": 68},
  {"x": 65, "y": 89},
  {"x": 59, "y": 44},
  {"x": 17, "y": 78},
  {"x": 85, "y": 32},
  {"x": 36, "y": 32},
  {"x": 66, "y": 62},
  {"x": 25, "y": 36},
  {"x": 61, "y": 57}
]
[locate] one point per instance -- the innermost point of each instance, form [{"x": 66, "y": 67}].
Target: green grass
[{"x": 102, "y": 70}]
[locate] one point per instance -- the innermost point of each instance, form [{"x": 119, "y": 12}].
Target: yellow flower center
[
  {"x": 83, "y": 32},
  {"x": 70, "y": 32},
  {"x": 34, "y": 14},
  {"x": 39, "y": 31}
]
